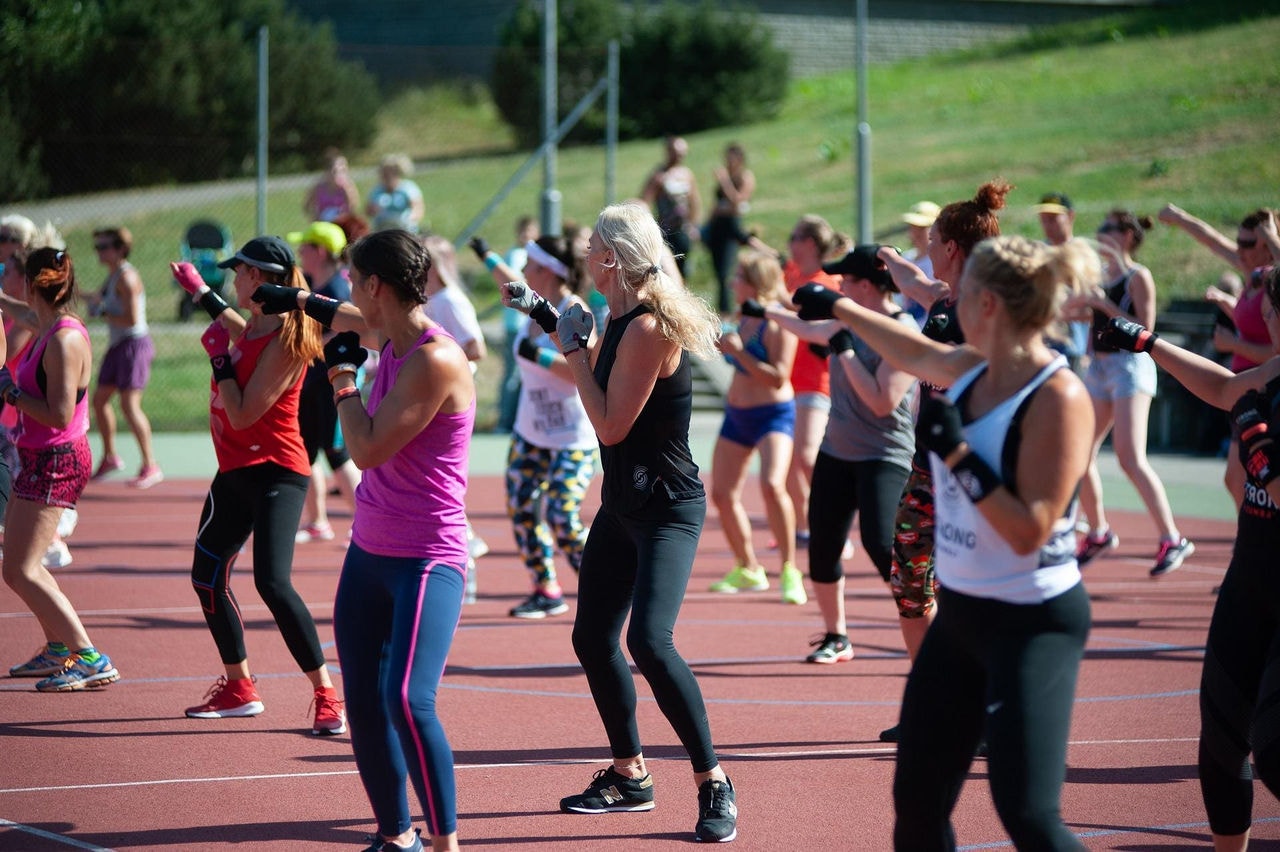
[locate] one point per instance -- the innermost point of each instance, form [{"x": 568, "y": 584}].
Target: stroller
[{"x": 205, "y": 244}]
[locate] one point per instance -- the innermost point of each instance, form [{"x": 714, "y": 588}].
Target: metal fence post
[{"x": 262, "y": 130}]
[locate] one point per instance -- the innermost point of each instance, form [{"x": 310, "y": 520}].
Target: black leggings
[
  {"x": 1240, "y": 692},
  {"x": 839, "y": 490},
  {"x": 639, "y": 563},
  {"x": 1009, "y": 669},
  {"x": 266, "y": 500}
]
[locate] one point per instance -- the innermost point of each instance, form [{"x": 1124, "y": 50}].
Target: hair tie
[{"x": 653, "y": 270}]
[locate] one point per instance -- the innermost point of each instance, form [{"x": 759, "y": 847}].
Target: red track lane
[{"x": 122, "y": 769}]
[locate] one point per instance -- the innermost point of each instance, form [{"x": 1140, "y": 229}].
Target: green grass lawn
[{"x": 1115, "y": 113}]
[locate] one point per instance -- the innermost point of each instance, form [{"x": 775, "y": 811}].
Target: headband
[{"x": 543, "y": 258}]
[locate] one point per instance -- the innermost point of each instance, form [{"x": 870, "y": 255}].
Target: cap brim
[
  {"x": 836, "y": 268},
  {"x": 295, "y": 237},
  {"x": 1052, "y": 208},
  {"x": 239, "y": 258},
  {"x": 918, "y": 221}
]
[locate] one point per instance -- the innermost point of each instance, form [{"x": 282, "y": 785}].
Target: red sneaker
[
  {"x": 228, "y": 698},
  {"x": 331, "y": 717}
]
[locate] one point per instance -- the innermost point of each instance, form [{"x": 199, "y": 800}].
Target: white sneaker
[
  {"x": 67, "y": 523},
  {"x": 57, "y": 556}
]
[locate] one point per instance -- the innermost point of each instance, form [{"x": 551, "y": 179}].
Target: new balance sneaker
[
  {"x": 1095, "y": 543},
  {"x": 148, "y": 476},
  {"x": 331, "y": 715},
  {"x": 540, "y": 605},
  {"x": 1170, "y": 556},
  {"x": 57, "y": 556},
  {"x": 314, "y": 532},
  {"x": 717, "y": 812},
  {"x": 831, "y": 648},
  {"x": 228, "y": 698},
  {"x": 742, "y": 579},
  {"x": 106, "y": 467},
  {"x": 792, "y": 583},
  {"x": 46, "y": 662},
  {"x": 611, "y": 792},
  {"x": 380, "y": 845},
  {"x": 78, "y": 674}
]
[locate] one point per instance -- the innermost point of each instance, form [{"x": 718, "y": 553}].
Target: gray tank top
[
  {"x": 854, "y": 432},
  {"x": 112, "y": 306}
]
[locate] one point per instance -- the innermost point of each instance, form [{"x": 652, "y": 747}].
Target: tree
[{"x": 117, "y": 93}]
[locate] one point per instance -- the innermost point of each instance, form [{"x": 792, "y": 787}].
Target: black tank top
[
  {"x": 655, "y": 453},
  {"x": 1117, "y": 293}
]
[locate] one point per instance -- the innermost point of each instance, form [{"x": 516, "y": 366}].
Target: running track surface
[{"x": 122, "y": 769}]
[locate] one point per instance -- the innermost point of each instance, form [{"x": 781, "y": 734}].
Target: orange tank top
[
  {"x": 273, "y": 437},
  {"x": 809, "y": 373}
]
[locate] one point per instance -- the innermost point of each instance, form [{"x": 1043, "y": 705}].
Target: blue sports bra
[{"x": 753, "y": 346}]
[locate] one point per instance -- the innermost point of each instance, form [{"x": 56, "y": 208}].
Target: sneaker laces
[
  {"x": 718, "y": 799},
  {"x": 322, "y": 700}
]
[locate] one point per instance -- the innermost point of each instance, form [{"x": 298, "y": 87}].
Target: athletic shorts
[
  {"x": 816, "y": 401},
  {"x": 127, "y": 365},
  {"x": 1120, "y": 375},
  {"x": 54, "y": 476},
  {"x": 748, "y": 426}
]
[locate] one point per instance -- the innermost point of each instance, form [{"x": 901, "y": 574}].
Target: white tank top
[
  {"x": 971, "y": 557},
  {"x": 550, "y": 414}
]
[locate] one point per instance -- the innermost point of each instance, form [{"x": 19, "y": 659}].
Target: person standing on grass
[
  {"x": 760, "y": 416},
  {"x": 1238, "y": 687},
  {"x": 553, "y": 447},
  {"x": 636, "y": 387},
  {"x": 865, "y": 456},
  {"x": 1122, "y": 385},
  {"x": 1009, "y": 443},
  {"x": 48, "y": 387},
  {"x": 261, "y": 481},
  {"x": 672, "y": 191},
  {"x": 722, "y": 234},
  {"x": 127, "y": 365},
  {"x": 400, "y": 596}
]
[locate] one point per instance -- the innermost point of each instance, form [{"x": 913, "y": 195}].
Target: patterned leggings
[{"x": 545, "y": 489}]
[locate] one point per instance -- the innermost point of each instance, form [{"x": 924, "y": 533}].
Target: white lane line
[{"x": 56, "y": 838}]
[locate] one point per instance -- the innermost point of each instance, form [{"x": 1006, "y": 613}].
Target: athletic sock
[
  {"x": 89, "y": 655},
  {"x": 59, "y": 648}
]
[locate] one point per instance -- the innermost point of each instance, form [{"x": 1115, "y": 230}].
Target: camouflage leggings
[{"x": 912, "y": 576}]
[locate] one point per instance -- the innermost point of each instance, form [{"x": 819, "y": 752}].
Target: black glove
[
  {"x": 841, "y": 341},
  {"x": 1257, "y": 445},
  {"x": 276, "y": 299},
  {"x": 344, "y": 348},
  {"x": 528, "y": 349},
  {"x": 818, "y": 349},
  {"x": 752, "y": 308},
  {"x": 1127, "y": 335},
  {"x": 939, "y": 430},
  {"x": 815, "y": 301},
  {"x": 480, "y": 247}
]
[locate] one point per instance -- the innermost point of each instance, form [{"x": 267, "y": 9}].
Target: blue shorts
[
  {"x": 1120, "y": 375},
  {"x": 747, "y": 426}
]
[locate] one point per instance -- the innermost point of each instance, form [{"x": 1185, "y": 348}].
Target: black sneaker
[
  {"x": 831, "y": 648},
  {"x": 717, "y": 812},
  {"x": 538, "y": 605},
  {"x": 611, "y": 792},
  {"x": 889, "y": 735},
  {"x": 1170, "y": 556},
  {"x": 1092, "y": 545}
]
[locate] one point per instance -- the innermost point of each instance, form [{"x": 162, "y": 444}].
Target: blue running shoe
[
  {"x": 46, "y": 662},
  {"x": 78, "y": 674}
]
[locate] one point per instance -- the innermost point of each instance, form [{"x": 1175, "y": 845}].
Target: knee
[
  {"x": 773, "y": 490},
  {"x": 1028, "y": 827},
  {"x": 591, "y": 649},
  {"x": 649, "y": 653}
]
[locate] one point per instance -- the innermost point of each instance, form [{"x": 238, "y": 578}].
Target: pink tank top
[
  {"x": 1248, "y": 319},
  {"x": 414, "y": 503},
  {"x": 35, "y": 435}
]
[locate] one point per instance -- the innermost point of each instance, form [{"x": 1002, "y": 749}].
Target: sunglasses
[
  {"x": 1110, "y": 228},
  {"x": 1246, "y": 244},
  {"x": 10, "y": 238},
  {"x": 103, "y": 246}
]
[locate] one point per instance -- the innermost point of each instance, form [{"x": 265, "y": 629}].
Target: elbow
[
  {"x": 609, "y": 437},
  {"x": 1026, "y": 541}
]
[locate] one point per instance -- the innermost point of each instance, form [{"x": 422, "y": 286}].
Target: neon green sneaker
[
  {"x": 793, "y": 586},
  {"x": 742, "y": 579}
]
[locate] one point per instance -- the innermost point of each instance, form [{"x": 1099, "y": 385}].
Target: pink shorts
[{"x": 54, "y": 476}]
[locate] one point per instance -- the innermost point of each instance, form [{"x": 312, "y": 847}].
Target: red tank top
[
  {"x": 809, "y": 373},
  {"x": 273, "y": 437}
]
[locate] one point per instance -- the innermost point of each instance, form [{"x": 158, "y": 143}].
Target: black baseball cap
[
  {"x": 862, "y": 262},
  {"x": 270, "y": 254}
]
